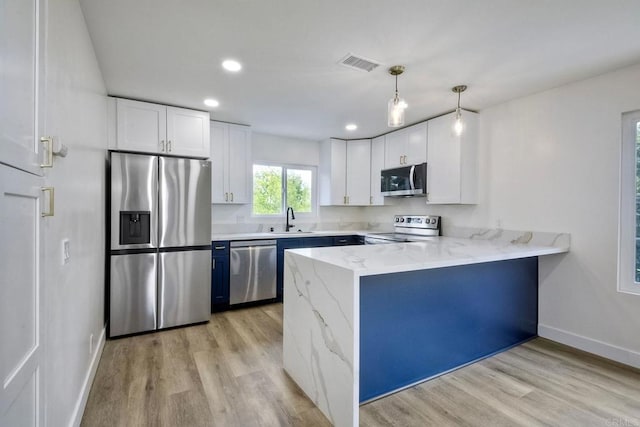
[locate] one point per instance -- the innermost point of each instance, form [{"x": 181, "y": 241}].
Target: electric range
[{"x": 408, "y": 228}]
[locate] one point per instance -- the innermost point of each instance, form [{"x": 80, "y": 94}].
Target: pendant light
[
  {"x": 458, "y": 123},
  {"x": 396, "y": 105}
]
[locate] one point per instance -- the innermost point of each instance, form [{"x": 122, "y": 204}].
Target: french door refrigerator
[{"x": 160, "y": 242}]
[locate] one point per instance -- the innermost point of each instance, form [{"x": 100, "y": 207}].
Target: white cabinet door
[
  {"x": 395, "y": 147},
  {"x": 333, "y": 167},
  {"x": 21, "y": 299},
  {"x": 219, "y": 161},
  {"x": 443, "y": 167},
  {"x": 377, "y": 164},
  {"x": 406, "y": 146},
  {"x": 141, "y": 126},
  {"x": 452, "y": 163},
  {"x": 231, "y": 163},
  {"x": 21, "y": 82},
  {"x": 358, "y": 172},
  {"x": 416, "y": 149},
  {"x": 239, "y": 163},
  {"x": 187, "y": 132}
]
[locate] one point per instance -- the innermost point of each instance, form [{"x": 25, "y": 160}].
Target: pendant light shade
[
  {"x": 458, "y": 122},
  {"x": 396, "y": 105}
]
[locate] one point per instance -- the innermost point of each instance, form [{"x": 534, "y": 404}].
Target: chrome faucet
[{"x": 293, "y": 216}]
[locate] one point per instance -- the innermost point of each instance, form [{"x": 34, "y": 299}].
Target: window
[
  {"x": 276, "y": 187},
  {"x": 629, "y": 237}
]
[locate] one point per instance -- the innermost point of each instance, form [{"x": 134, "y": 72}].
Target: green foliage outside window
[{"x": 269, "y": 189}]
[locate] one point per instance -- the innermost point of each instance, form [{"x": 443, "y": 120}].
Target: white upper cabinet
[
  {"x": 345, "y": 172},
  {"x": 406, "y": 146},
  {"x": 22, "y": 78},
  {"x": 188, "y": 132},
  {"x": 377, "y": 164},
  {"x": 452, "y": 161},
  {"x": 358, "y": 187},
  {"x": 153, "y": 128},
  {"x": 230, "y": 162}
]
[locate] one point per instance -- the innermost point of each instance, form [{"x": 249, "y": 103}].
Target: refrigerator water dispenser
[{"x": 135, "y": 227}]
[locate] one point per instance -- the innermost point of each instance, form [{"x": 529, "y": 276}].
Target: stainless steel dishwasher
[{"x": 253, "y": 271}]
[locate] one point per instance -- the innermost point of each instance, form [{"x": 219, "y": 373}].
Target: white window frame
[
  {"x": 627, "y": 223},
  {"x": 285, "y": 166}
]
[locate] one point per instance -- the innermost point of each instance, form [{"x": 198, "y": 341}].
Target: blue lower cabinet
[
  {"x": 282, "y": 244},
  {"x": 219, "y": 275},
  {"x": 419, "y": 324}
]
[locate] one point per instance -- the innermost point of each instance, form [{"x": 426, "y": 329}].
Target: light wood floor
[{"x": 229, "y": 373}]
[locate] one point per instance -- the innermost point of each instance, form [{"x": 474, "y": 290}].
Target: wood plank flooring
[{"x": 229, "y": 373}]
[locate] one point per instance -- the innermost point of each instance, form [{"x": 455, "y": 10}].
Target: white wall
[
  {"x": 550, "y": 162},
  {"x": 554, "y": 165},
  {"x": 272, "y": 148},
  {"x": 74, "y": 295}
]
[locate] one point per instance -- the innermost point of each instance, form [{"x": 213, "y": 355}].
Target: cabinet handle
[
  {"x": 226, "y": 197},
  {"x": 48, "y": 142},
  {"x": 232, "y": 197},
  {"x": 219, "y": 247},
  {"x": 213, "y": 263},
  {"x": 51, "y": 192},
  {"x": 347, "y": 199},
  {"x": 162, "y": 145},
  {"x": 169, "y": 146}
]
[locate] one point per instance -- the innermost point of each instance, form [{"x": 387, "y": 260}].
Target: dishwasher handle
[{"x": 249, "y": 243}]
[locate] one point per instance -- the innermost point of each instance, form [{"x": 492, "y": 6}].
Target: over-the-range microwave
[{"x": 405, "y": 181}]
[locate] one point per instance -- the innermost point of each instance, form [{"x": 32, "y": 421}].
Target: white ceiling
[{"x": 169, "y": 51}]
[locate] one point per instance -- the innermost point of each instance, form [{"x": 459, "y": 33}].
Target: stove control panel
[{"x": 427, "y": 222}]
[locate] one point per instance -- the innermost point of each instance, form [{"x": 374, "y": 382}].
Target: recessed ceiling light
[
  {"x": 231, "y": 65},
  {"x": 351, "y": 126},
  {"x": 211, "y": 102}
]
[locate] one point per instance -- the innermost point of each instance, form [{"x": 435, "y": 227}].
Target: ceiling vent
[{"x": 359, "y": 63}]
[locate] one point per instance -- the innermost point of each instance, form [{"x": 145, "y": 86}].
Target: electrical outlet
[
  {"x": 66, "y": 253},
  {"x": 90, "y": 344}
]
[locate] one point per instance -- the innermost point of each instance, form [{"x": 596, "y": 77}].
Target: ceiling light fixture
[
  {"x": 211, "y": 102},
  {"x": 396, "y": 105},
  {"x": 231, "y": 65},
  {"x": 351, "y": 126},
  {"x": 458, "y": 123}
]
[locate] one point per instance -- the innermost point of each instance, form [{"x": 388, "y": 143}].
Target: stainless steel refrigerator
[{"x": 160, "y": 233}]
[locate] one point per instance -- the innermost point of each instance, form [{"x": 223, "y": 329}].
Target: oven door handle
[{"x": 412, "y": 174}]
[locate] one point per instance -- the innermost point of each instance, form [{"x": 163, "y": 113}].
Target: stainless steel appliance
[
  {"x": 160, "y": 242},
  {"x": 253, "y": 271},
  {"x": 405, "y": 181},
  {"x": 408, "y": 228}
]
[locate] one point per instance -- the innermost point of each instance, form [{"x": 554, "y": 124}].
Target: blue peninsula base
[{"x": 420, "y": 324}]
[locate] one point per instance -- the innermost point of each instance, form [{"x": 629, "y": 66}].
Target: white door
[
  {"x": 377, "y": 164},
  {"x": 21, "y": 308},
  {"x": 20, "y": 83},
  {"x": 187, "y": 132},
  {"x": 141, "y": 126},
  {"x": 416, "y": 144},
  {"x": 21, "y": 291},
  {"x": 358, "y": 172},
  {"x": 239, "y": 152},
  {"x": 443, "y": 162},
  {"x": 219, "y": 162},
  {"x": 395, "y": 149}
]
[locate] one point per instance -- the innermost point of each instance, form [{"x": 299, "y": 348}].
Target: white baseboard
[
  {"x": 78, "y": 410},
  {"x": 619, "y": 354}
]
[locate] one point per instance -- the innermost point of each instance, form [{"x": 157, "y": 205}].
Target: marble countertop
[
  {"x": 281, "y": 234},
  {"x": 436, "y": 253}
]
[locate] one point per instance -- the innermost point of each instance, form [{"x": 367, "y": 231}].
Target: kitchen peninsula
[{"x": 361, "y": 322}]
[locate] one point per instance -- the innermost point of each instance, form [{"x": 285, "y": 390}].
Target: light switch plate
[{"x": 66, "y": 254}]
